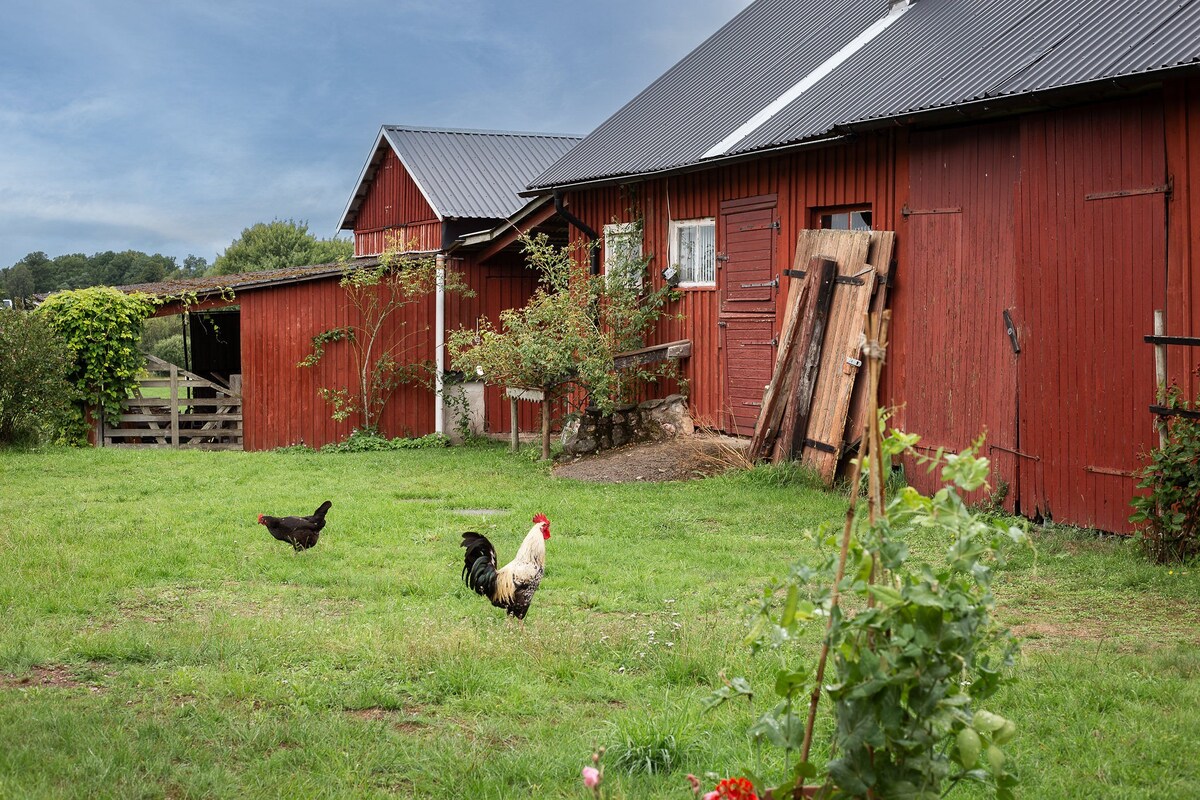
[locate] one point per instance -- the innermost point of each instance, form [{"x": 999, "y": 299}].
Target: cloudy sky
[{"x": 168, "y": 126}]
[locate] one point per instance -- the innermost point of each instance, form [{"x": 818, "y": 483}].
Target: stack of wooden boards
[{"x": 814, "y": 396}]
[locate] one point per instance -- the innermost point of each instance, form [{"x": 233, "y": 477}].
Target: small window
[
  {"x": 850, "y": 219},
  {"x": 623, "y": 252},
  {"x": 693, "y": 251}
]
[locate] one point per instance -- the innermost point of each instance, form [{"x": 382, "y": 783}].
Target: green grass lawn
[{"x": 156, "y": 642}]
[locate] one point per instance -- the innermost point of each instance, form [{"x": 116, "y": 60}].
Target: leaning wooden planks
[
  {"x": 883, "y": 245},
  {"x": 825, "y": 438}
]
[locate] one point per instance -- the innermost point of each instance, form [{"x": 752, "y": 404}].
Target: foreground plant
[{"x": 913, "y": 667}]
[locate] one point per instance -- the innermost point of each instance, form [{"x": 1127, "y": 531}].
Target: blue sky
[{"x": 171, "y": 126}]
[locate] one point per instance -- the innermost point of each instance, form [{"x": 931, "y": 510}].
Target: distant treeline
[
  {"x": 266, "y": 245},
  {"x": 37, "y": 273}
]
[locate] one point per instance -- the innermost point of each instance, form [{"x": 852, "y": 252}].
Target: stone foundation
[{"x": 651, "y": 421}]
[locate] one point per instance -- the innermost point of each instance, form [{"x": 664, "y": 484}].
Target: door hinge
[
  {"x": 722, "y": 256},
  {"x": 774, "y": 284}
]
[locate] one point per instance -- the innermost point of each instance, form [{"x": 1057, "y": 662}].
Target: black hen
[{"x": 300, "y": 532}]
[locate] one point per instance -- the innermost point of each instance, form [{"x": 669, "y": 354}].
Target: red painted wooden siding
[
  {"x": 281, "y": 401},
  {"x": 1183, "y": 258},
  {"x": 503, "y": 283},
  {"x": 959, "y": 375},
  {"x": 394, "y": 210},
  {"x": 863, "y": 173},
  {"x": 1091, "y": 273}
]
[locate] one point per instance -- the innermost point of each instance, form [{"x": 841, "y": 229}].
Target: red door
[
  {"x": 748, "y": 283},
  {"x": 1092, "y": 271},
  {"x": 959, "y": 374}
]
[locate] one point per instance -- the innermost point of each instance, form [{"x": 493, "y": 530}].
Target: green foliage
[
  {"x": 360, "y": 441},
  {"x": 567, "y": 335},
  {"x": 38, "y": 273},
  {"x": 278, "y": 244},
  {"x": 35, "y": 395},
  {"x": 101, "y": 329},
  {"x": 1169, "y": 512},
  {"x": 383, "y": 359},
  {"x": 650, "y": 746},
  {"x": 918, "y": 659},
  {"x": 170, "y": 349}
]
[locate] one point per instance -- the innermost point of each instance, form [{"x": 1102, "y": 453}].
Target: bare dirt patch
[
  {"x": 404, "y": 721},
  {"x": 53, "y": 677},
  {"x": 679, "y": 459}
]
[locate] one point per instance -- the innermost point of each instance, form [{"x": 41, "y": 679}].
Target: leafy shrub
[
  {"x": 914, "y": 664},
  {"x": 1170, "y": 512},
  {"x": 170, "y": 350},
  {"x": 361, "y": 441},
  {"x": 102, "y": 329},
  {"x": 35, "y": 395}
]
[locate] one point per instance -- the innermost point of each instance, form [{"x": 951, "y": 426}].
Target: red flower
[{"x": 736, "y": 789}]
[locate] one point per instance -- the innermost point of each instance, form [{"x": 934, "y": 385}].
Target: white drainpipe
[{"x": 439, "y": 344}]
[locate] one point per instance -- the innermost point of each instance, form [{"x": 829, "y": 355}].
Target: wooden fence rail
[{"x": 197, "y": 413}]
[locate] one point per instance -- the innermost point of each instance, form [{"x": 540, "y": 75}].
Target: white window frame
[
  {"x": 631, "y": 233},
  {"x": 673, "y": 253}
]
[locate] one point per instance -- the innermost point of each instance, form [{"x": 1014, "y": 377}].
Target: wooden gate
[
  {"x": 749, "y": 285},
  {"x": 176, "y": 408}
]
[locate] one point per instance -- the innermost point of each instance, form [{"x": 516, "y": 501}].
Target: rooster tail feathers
[{"x": 479, "y": 564}]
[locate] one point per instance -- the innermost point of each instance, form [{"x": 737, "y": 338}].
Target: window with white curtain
[{"x": 693, "y": 251}]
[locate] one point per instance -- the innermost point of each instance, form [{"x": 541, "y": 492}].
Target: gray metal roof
[
  {"x": 463, "y": 173},
  {"x": 939, "y": 54}
]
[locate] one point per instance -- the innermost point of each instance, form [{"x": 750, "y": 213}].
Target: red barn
[
  {"x": 1036, "y": 161},
  {"x": 447, "y": 193}
]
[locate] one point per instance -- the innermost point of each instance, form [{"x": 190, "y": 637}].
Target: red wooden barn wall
[
  {"x": 858, "y": 174},
  {"x": 1000, "y": 221},
  {"x": 281, "y": 404},
  {"x": 503, "y": 282},
  {"x": 1092, "y": 270},
  {"x": 394, "y": 210},
  {"x": 1183, "y": 256}
]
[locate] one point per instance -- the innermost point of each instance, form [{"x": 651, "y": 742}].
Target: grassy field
[{"x": 156, "y": 642}]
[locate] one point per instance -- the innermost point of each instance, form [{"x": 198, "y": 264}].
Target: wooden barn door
[
  {"x": 749, "y": 284},
  {"x": 958, "y": 377},
  {"x": 1092, "y": 271}
]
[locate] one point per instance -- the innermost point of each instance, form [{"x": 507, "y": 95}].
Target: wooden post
[
  {"x": 1160, "y": 373},
  {"x": 174, "y": 406},
  {"x": 546, "y": 425},
  {"x": 514, "y": 440}
]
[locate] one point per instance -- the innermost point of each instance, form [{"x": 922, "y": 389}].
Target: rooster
[
  {"x": 300, "y": 532},
  {"x": 512, "y": 586}
]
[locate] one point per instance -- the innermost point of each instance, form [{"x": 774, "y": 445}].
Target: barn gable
[{"x": 430, "y": 186}]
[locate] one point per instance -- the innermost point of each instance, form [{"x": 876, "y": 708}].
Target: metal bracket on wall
[
  {"x": 824, "y": 448},
  {"x": 1011, "y": 330}
]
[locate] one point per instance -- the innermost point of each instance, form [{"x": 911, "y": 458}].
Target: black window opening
[{"x": 851, "y": 219}]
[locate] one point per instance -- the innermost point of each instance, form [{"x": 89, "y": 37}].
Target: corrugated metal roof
[
  {"x": 940, "y": 54},
  {"x": 464, "y": 173}
]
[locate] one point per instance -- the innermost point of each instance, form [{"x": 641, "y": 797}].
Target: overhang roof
[
  {"x": 208, "y": 287},
  {"x": 782, "y": 73},
  {"x": 463, "y": 174}
]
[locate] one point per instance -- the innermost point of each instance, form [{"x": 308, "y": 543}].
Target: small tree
[
  {"x": 35, "y": 395},
  {"x": 101, "y": 328},
  {"x": 383, "y": 362},
  {"x": 567, "y": 336}
]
